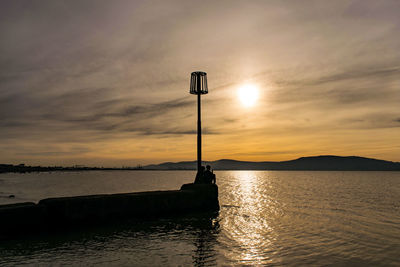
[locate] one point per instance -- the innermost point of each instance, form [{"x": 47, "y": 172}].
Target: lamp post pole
[
  {"x": 198, "y": 125},
  {"x": 198, "y": 86}
]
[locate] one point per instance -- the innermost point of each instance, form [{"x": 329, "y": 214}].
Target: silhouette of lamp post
[{"x": 198, "y": 86}]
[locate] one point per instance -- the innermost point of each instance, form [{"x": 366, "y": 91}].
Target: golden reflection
[{"x": 249, "y": 227}]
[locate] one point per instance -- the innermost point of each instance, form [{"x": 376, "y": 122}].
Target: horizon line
[{"x": 187, "y": 161}]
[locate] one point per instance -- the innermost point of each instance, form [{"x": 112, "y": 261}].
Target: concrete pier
[{"x": 85, "y": 210}]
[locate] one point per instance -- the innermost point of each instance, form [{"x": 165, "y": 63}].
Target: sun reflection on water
[{"x": 248, "y": 224}]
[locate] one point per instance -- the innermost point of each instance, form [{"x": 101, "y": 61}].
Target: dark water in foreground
[{"x": 266, "y": 218}]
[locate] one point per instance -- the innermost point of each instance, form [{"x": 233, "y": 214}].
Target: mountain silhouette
[{"x": 316, "y": 163}]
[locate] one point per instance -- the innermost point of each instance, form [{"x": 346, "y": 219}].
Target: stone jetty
[{"x": 59, "y": 213}]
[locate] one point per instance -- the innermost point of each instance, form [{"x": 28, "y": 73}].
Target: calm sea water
[{"x": 266, "y": 218}]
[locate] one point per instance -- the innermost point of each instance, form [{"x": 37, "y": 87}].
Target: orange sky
[{"x": 107, "y": 83}]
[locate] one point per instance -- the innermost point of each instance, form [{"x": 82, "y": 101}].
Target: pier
[{"x": 66, "y": 212}]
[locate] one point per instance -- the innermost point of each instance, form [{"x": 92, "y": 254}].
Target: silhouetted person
[
  {"x": 200, "y": 176},
  {"x": 209, "y": 176}
]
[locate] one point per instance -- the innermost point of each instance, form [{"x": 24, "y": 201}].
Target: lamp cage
[{"x": 198, "y": 83}]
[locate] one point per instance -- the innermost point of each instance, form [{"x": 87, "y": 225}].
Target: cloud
[
  {"x": 269, "y": 153},
  {"x": 90, "y": 109},
  {"x": 357, "y": 72},
  {"x": 357, "y": 88}
]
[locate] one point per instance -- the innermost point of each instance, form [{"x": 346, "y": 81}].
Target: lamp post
[{"x": 198, "y": 86}]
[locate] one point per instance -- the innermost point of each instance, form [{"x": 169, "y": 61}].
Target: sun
[{"x": 248, "y": 95}]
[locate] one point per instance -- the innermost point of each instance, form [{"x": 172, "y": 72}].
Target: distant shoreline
[
  {"x": 162, "y": 170},
  {"x": 7, "y": 168},
  {"x": 316, "y": 163}
]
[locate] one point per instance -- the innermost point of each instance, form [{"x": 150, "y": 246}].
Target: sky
[{"x": 106, "y": 83}]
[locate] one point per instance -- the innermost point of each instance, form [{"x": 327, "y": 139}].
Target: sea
[{"x": 267, "y": 218}]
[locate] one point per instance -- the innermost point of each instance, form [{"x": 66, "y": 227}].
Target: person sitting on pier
[
  {"x": 200, "y": 176},
  {"x": 209, "y": 176}
]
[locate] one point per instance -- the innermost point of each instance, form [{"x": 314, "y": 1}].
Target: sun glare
[{"x": 248, "y": 95}]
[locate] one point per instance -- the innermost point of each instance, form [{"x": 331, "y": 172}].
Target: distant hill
[{"x": 317, "y": 163}]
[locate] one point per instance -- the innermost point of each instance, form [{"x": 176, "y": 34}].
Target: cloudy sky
[{"x": 106, "y": 83}]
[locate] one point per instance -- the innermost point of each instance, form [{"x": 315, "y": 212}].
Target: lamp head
[{"x": 198, "y": 83}]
